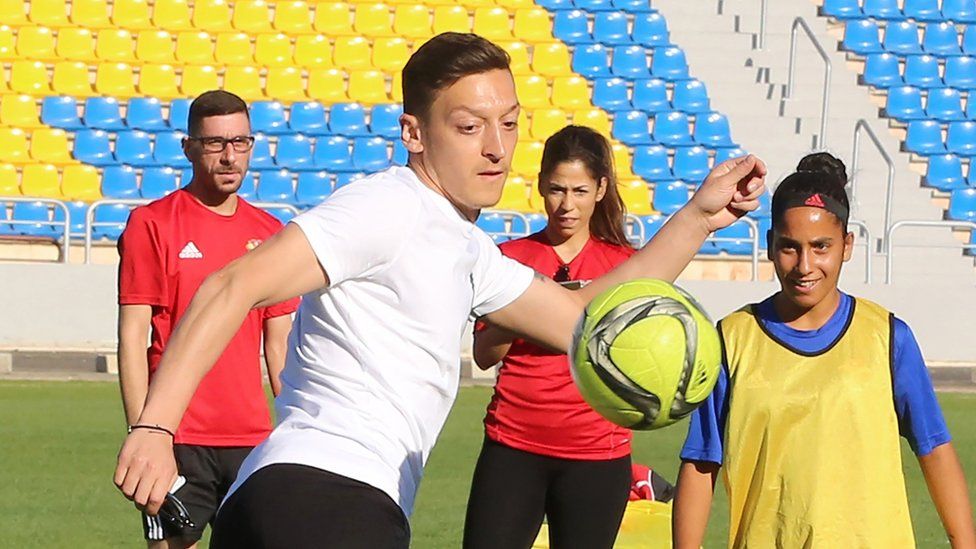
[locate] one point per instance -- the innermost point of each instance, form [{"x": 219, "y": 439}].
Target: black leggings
[{"x": 512, "y": 490}]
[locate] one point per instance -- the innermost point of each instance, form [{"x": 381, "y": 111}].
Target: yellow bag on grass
[{"x": 646, "y": 525}]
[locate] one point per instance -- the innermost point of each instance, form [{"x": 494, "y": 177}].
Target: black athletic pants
[
  {"x": 290, "y": 506},
  {"x": 583, "y": 501}
]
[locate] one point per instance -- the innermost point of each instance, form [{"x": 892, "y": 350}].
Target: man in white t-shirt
[{"x": 391, "y": 268}]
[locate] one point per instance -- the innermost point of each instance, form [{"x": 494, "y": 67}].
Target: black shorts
[
  {"x": 209, "y": 473},
  {"x": 288, "y": 506}
]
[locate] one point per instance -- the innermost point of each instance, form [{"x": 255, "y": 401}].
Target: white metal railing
[
  {"x": 763, "y": 12},
  {"x": 866, "y": 232},
  {"x": 753, "y": 240},
  {"x": 637, "y": 223},
  {"x": 66, "y": 223},
  {"x": 800, "y": 22},
  {"x": 890, "y": 233},
  {"x": 862, "y": 125}
]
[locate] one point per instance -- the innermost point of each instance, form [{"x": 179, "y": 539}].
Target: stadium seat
[
  {"x": 168, "y": 150},
  {"x": 970, "y": 113},
  {"x": 146, "y": 114},
  {"x": 651, "y": 163},
  {"x": 292, "y": 18},
  {"x": 111, "y": 220},
  {"x": 922, "y": 10},
  {"x": 194, "y": 48},
  {"x": 651, "y": 30},
  {"x": 12, "y": 13},
  {"x": 179, "y": 113},
  {"x": 690, "y": 164},
  {"x": 492, "y": 23},
  {"x": 636, "y": 196},
  {"x": 651, "y": 96},
  {"x": 631, "y": 128},
  {"x": 546, "y": 122},
  {"x": 611, "y": 94},
  {"x": 59, "y": 112},
  {"x": 344, "y": 178},
  {"x": 411, "y": 21},
  {"x": 969, "y": 40},
  {"x": 313, "y": 51},
  {"x": 268, "y": 117},
  {"x": 275, "y": 186},
  {"x": 959, "y": 11},
  {"x": 373, "y": 20},
  {"x": 49, "y": 13},
  {"x": 78, "y": 210},
  {"x": 368, "y": 87},
  {"x": 50, "y": 145},
  {"x": 384, "y": 121},
  {"x": 556, "y": 5},
  {"x": 924, "y": 137},
  {"x": 370, "y": 154},
  {"x": 234, "y": 48},
  {"x": 922, "y": 71},
  {"x": 861, "y": 36},
  {"x": 134, "y": 148},
  {"x": 670, "y": 197},
  {"x": 944, "y": 172},
  {"x": 9, "y": 185},
  {"x": 721, "y": 155},
  {"x": 962, "y": 205},
  {"x": 283, "y": 215},
  {"x": 352, "y": 53},
  {"x": 155, "y": 46},
  {"x": 883, "y": 9},
  {"x": 245, "y": 82},
  {"x": 34, "y": 220},
  {"x": 590, "y": 61},
  {"x": 881, "y": 70},
  {"x": 742, "y": 245},
  {"x": 632, "y": 6},
  {"x": 902, "y": 38},
  {"x": 960, "y": 72},
  {"x": 941, "y": 39},
  {"x": 36, "y": 43},
  {"x": 19, "y": 111},
  {"x": 28, "y": 77},
  {"x": 593, "y": 118},
  {"x": 261, "y": 153},
  {"x": 74, "y": 45},
  {"x": 131, "y": 14},
  {"x": 533, "y": 92},
  {"x": 944, "y": 104},
  {"x": 196, "y": 80},
  {"x": 669, "y": 63},
  {"x": 961, "y": 138},
  {"x": 312, "y": 188},
  {"x": 690, "y": 96},
  {"x": 158, "y": 81},
  {"x": 841, "y": 9},
  {"x": 551, "y": 59},
  {"x": 532, "y": 25},
  {"x": 273, "y": 50},
  {"x": 593, "y": 5},
  {"x": 400, "y": 153},
  {"x": 905, "y": 103},
  {"x": 93, "y": 147},
  {"x": 348, "y": 119},
  {"x": 306, "y": 117},
  {"x": 610, "y": 28},
  {"x": 13, "y": 146},
  {"x": 450, "y": 19},
  {"x": 570, "y": 92},
  {"x": 71, "y": 78},
  {"x": 671, "y": 128},
  {"x": 494, "y": 225},
  {"x": 327, "y": 86},
  {"x": 116, "y": 45},
  {"x": 333, "y": 154},
  {"x": 528, "y": 158},
  {"x": 158, "y": 182},
  {"x": 390, "y": 54},
  {"x": 213, "y": 15},
  {"x": 294, "y": 152},
  {"x": 115, "y": 80},
  {"x": 629, "y": 62},
  {"x": 520, "y": 57},
  {"x": 248, "y": 190},
  {"x": 103, "y": 113},
  {"x": 333, "y": 19},
  {"x": 40, "y": 180},
  {"x": 251, "y": 17}
]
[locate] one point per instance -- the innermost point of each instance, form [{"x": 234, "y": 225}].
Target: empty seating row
[
  {"x": 905, "y": 103},
  {"x": 672, "y": 129},
  {"x": 959, "y": 11},
  {"x": 884, "y": 70},
  {"x": 945, "y": 172},
  {"x": 925, "y": 137}
]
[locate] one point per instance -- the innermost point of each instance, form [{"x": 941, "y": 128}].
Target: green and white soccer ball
[{"x": 645, "y": 354}]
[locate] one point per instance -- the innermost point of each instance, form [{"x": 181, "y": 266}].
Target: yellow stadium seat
[
  {"x": 533, "y": 91},
  {"x": 13, "y": 14},
  {"x": 327, "y": 86},
  {"x": 528, "y": 157},
  {"x": 313, "y": 51},
  {"x": 211, "y": 15},
  {"x": 90, "y": 14},
  {"x": 13, "y": 146},
  {"x": 234, "y": 48},
  {"x": 451, "y": 19},
  {"x": 80, "y": 182},
  {"x": 351, "y": 53},
  {"x": 72, "y": 78},
  {"x": 19, "y": 111},
  {"x": 512, "y": 5},
  {"x": 292, "y": 18},
  {"x": 533, "y": 25},
  {"x": 523, "y": 125},
  {"x": 273, "y": 50},
  {"x": 411, "y": 21},
  {"x": 333, "y": 19},
  {"x": 36, "y": 43},
  {"x": 520, "y": 57},
  {"x": 172, "y": 15},
  {"x": 373, "y": 20},
  {"x": 28, "y": 77},
  {"x": 492, "y": 23},
  {"x": 551, "y": 59},
  {"x": 75, "y": 45},
  {"x": 50, "y": 145},
  {"x": 47, "y": 13},
  {"x": 194, "y": 48},
  {"x": 475, "y": 4},
  {"x": 390, "y": 54},
  {"x": 515, "y": 195},
  {"x": 621, "y": 157},
  {"x": 571, "y": 93},
  {"x": 594, "y": 118},
  {"x": 285, "y": 84},
  {"x": 155, "y": 46},
  {"x": 9, "y": 180},
  {"x": 40, "y": 180},
  {"x": 8, "y": 44},
  {"x": 396, "y": 88},
  {"x": 245, "y": 82},
  {"x": 546, "y": 122},
  {"x": 198, "y": 79},
  {"x": 368, "y": 87},
  {"x": 636, "y": 196},
  {"x": 115, "y": 79},
  {"x": 115, "y": 45},
  {"x": 251, "y": 17},
  {"x": 132, "y": 14},
  {"x": 158, "y": 81}
]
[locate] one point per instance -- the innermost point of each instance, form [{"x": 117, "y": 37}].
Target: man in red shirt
[{"x": 167, "y": 250}]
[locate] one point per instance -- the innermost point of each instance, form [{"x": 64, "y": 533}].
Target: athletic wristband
[{"x": 159, "y": 428}]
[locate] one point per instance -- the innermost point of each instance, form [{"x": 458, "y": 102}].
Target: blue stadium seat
[
  {"x": 294, "y": 152},
  {"x": 669, "y": 63},
  {"x": 275, "y": 186},
  {"x": 962, "y": 204},
  {"x": 631, "y": 128},
  {"x": 924, "y": 137},
  {"x": 651, "y": 95},
  {"x": 593, "y": 5},
  {"x": 519, "y": 227},
  {"x": 944, "y": 104},
  {"x": 922, "y": 10},
  {"x": 370, "y": 154},
  {"x": 651, "y": 29},
  {"x": 841, "y": 9},
  {"x": 670, "y": 198},
  {"x": 348, "y": 119},
  {"x": 261, "y": 154},
  {"x": 652, "y": 224},
  {"x": 961, "y": 138},
  {"x": 713, "y": 130},
  {"x": 572, "y": 27},
  {"x": 168, "y": 150},
  {"x": 494, "y": 225},
  {"x": 969, "y": 40},
  {"x": 61, "y": 112},
  {"x": 861, "y": 36},
  {"x": 93, "y": 147},
  {"x": 158, "y": 182},
  {"x": 248, "y": 190},
  {"x": 671, "y": 128},
  {"x": 905, "y": 103},
  {"x": 345, "y": 178},
  {"x": 119, "y": 182},
  {"x": 134, "y": 148},
  {"x": 77, "y": 210},
  {"x": 312, "y": 188},
  {"x": 268, "y": 117},
  {"x": 39, "y": 216},
  {"x": 284, "y": 215},
  {"x": 651, "y": 163},
  {"x": 610, "y": 27},
  {"x": 960, "y": 72},
  {"x": 741, "y": 246},
  {"x": 179, "y": 112},
  {"x": 629, "y": 62},
  {"x": 333, "y": 154},
  {"x": 400, "y": 154},
  {"x": 611, "y": 94},
  {"x": 110, "y": 221},
  {"x": 971, "y": 110},
  {"x": 727, "y": 153},
  {"x": 691, "y": 97},
  {"x": 691, "y": 164},
  {"x": 945, "y": 172},
  {"x": 881, "y": 70},
  {"x": 308, "y": 117},
  {"x": 971, "y": 250},
  {"x": 537, "y": 222},
  {"x": 883, "y": 9},
  {"x": 5, "y": 228},
  {"x": 590, "y": 61},
  {"x": 556, "y": 5},
  {"x": 384, "y": 121},
  {"x": 959, "y": 11},
  {"x": 902, "y": 38},
  {"x": 922, "y": 71},
  {"x": 102, "y": 113},
  {"x": 146, "y": 114},
  {"x": 941, "y": 39},
  {"x": 633, "y": 6},
  {"x": 765, "y": 208}
]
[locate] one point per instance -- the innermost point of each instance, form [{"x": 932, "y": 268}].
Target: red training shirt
[
  {"x": 536, "y": 406},
  {"x": 167, "y": 250}
]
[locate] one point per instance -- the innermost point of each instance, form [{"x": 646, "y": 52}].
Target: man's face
[{"x": 221, "y": 171}]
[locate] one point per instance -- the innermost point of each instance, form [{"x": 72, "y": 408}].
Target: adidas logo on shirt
[{"x": 190, "y": 251}]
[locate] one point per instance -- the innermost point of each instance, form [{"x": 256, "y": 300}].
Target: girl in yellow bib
[{"x": 816, "y": 388}]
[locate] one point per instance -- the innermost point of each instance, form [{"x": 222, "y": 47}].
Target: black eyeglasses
[
  {"x": 241, "y": 143},
  {"x": 174, "y": 512},
  {"x": 562, "y": 273}
]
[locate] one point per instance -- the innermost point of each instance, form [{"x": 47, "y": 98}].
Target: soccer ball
[{"x": 645, "y": 354}]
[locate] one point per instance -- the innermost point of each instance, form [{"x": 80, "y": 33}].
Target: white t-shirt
[{"x": 374, "y": 359}]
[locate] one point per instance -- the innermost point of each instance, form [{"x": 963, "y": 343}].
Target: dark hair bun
[{"x": 825, "y": 163}]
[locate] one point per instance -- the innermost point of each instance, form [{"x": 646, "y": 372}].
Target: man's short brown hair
[{"x": 213, "y": 103}]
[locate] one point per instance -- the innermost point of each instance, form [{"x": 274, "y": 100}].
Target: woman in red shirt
[{"x": 546, "y": 452}]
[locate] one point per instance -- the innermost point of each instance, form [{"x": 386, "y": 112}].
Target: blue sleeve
[
  {"x": 707, "y": 426},
  {"x": 920, "y": 417}
]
